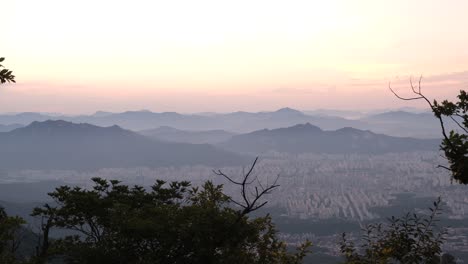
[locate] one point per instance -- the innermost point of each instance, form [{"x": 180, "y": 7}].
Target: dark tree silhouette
[{"x": 169, "y": 223}]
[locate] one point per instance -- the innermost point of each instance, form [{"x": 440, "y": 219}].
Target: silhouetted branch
[
  {"x": 458, "y": 124},
  {"x": 420, "y": 96},
  {"x": 443, "y": 167},
  {"x": 250, "y": 204}
]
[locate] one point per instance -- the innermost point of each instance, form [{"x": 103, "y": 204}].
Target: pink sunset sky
[{"x": 214, "y": 55}]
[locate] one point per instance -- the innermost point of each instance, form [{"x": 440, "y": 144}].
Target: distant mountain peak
[
  {"x": 307, "y": 138},
  {"x": 61, "y": 125},
  {"x": 350, "y": 130},
  {"x": 287, "y": 110},
  {"x": 50, "y": 123}
]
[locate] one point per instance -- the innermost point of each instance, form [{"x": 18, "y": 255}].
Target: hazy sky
[{"x": 199, "y": 55}]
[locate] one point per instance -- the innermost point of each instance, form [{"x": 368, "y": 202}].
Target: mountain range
[
  {"x": 396, "y": 123},
  {"x": 307, "y": 138},
  {"x": 65, "y": 145}
]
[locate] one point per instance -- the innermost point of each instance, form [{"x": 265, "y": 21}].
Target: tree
[
  {"x": 410, "y": 239},
  {"x": 5, "y": 74},
  {"x": 455, "y": 142},
  {"x": 10, "y": 228},
  {"x": 169, "y": 223}
]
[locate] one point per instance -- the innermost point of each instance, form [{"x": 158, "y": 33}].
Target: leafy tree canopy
[
  {"x": 411, "y": 239},
  {"x": 169, "y": 223}
]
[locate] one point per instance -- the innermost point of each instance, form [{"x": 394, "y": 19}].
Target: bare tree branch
[
  {"x": 250, "y": 202},
  {"x": 420, "y": 96},
  {"x": 458, "y": 124},
  {"x": 443, "y": 167},
  {"x": 403, "y": 98}
]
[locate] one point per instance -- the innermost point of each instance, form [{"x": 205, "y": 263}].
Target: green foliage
[
  {"x": 455, "y": 143},
  {"x": 170, "y": 223},
  {"x": 410, "y": 239},
  {"x": 5, "y": 74},
  {"x": 10, "y": 227}
]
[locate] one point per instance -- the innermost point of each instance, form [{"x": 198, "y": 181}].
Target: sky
[{"x": 215, "y": 55}]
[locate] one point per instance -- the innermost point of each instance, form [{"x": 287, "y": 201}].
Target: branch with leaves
[
  {"x": 454, "y": 143},
  {"x": 6, "y": 75}
]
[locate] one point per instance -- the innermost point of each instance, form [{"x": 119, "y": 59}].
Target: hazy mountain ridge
[
  {"x": 395, "y": 123},
  {"x": 307, "y": 138},
  {"x": 402, "y": 123},
  {"x": 65, "y": 145},
  {"x": 24, "y": 118},
  {"x": 400, "y": 116},
  {"x": 360, "y": 114},
  {"x": 240, "y": 122}
]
